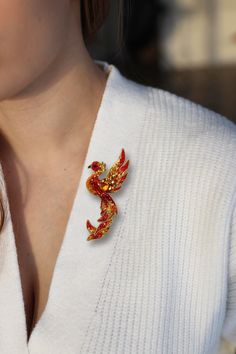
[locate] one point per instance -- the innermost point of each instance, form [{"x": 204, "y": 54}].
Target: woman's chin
[{"x": 13, "y": 86}]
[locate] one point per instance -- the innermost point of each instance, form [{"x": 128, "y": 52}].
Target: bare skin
[{"x": 50, "y": 92}]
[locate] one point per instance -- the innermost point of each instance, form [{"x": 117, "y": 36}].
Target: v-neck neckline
[
  {"x": 107, "y": 68},
  {"x": 81, "y": 266}
]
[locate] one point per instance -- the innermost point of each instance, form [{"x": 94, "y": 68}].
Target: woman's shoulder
[
  {"x": 178, "y": 128},
  {"x": 187, "y": 113},
  {"x": 182, "y": 112},
  {"x": 169, "y": 114},
  {"x": 171, "y": 119},
  {"x": 172, "y": 108}
]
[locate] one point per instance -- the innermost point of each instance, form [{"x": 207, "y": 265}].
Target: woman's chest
[
  {"x": 156, "y": 282},
  {"x": 39, "y": 228},
  {"x": 38, "y": 245},
  {"x": 165, "y": 285},
  {"x": 155, "y": 299},
  {"x": 36, "y": 264},
  {"x": 159, "y": 288}
]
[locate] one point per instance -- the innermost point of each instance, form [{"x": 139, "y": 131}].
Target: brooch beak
[{"x": 103, "y": 188}]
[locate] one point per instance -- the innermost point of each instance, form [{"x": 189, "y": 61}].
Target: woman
[{"x": 163, "y": 278}]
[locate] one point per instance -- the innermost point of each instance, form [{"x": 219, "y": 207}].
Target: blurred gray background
[{"x": 184, "y": 46}]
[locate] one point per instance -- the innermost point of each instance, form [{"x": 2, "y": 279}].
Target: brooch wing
[{"x": 116, "y": 175}]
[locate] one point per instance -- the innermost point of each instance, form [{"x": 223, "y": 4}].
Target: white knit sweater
[{"x": 163, "y": 279}]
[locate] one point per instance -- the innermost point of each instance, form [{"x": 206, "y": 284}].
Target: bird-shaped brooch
[{"x": 102, "y": 188}]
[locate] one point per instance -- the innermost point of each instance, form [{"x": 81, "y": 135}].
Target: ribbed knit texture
[
  {"x": 164, "y": 281},
  {"x": 166, "y": 290}
]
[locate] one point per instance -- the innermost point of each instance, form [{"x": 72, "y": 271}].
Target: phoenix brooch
[{"x": 102, "y": 188}]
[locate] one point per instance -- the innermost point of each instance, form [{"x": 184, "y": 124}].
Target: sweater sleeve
[{"x": 229, "y": 327}]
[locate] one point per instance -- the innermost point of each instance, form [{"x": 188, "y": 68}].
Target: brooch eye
[{"x": 102, "y": 188}]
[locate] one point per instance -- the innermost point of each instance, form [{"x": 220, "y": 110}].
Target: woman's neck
[{"x": 55, "y": 112}]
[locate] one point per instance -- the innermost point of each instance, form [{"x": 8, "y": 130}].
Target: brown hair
[
  {"x": 2, "y": 213},
  {"x": 94, "y": 14}
]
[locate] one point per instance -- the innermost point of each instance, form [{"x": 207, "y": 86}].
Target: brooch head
[{"x": 102, "y": 188}]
